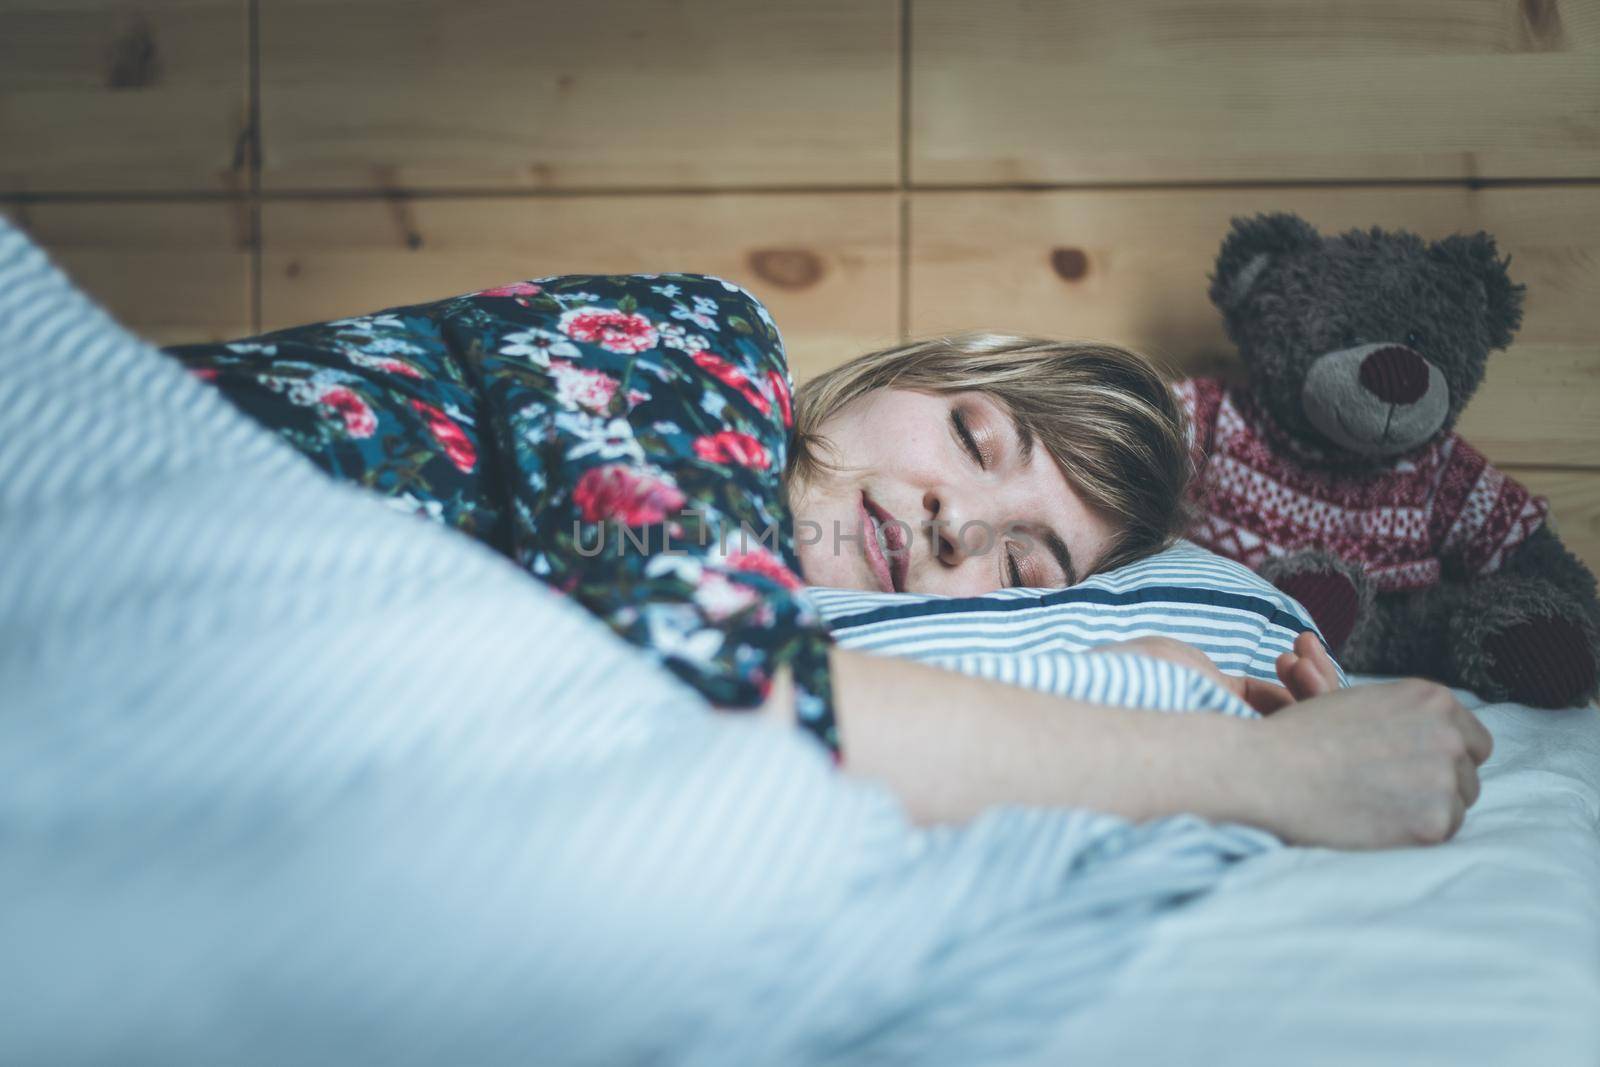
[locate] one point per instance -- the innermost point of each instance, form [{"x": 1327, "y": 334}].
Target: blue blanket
[{"x": 288, "y": 777}]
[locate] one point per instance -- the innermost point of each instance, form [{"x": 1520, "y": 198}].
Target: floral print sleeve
[{"x": 623, "y": 438}]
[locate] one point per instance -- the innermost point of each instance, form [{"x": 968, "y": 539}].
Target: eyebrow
[
  {"x": 1058, "y": 549},
  {"x": 1024, "y": 439}
]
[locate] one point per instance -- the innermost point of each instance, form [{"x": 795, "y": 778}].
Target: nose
[
  {"x": 945, "y": 522},
  {"x": 1395, "y": 374}
]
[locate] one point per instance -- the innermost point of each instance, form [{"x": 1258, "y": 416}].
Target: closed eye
[
  {"x": 1012, "y": 570},
  {"x": 964, "y": 432}
]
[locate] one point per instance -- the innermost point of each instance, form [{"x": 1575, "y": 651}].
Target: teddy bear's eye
[
  {"x": 1415, "y": 339},
  {"x": 1350, "y": 339}
]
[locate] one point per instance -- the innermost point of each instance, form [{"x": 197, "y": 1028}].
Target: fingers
[
  {"x": 1292, "y": 674},
  {"x": 1308, "y": 646},
  {"x": 1467, "y": 783},
  {"x": 1458, "y": 816},
  {"x": 1480, "y": 743},
  {"x": 1311, "y": 680},
  {"x": 1303, "y": 677},
  {"x": 1265, "y": 697},
  {"x": 1308, "y": 671}
]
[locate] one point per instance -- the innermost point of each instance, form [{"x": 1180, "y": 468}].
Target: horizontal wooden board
[
  {"x": 824, "y": 264},
  {"x": 1131, "y": 266},
  {"x": 1248, "y": 90},
  {"x": 103, "y": 95},
  {"x": 1574, "y": 504},
  {"x": 606, "y": 93},
  {"x": 171, "y": 272}
]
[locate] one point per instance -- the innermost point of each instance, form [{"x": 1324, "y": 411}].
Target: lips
[{"x": 880, "y": 529}]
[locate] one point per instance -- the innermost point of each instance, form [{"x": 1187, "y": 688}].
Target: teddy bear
[{"x": 1336, "y": 473}]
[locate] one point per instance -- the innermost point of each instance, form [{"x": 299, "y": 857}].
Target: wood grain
[
  {"x": 602, "y": 94},
  {"x": 823, "y": 264},
  {"x": 1139, "y": 260},
  {"x": 1574, "y": 503},
  {"x": 171, "y": 272},
  {"x": 1247, "y": 90},
  {"x": 100, "y": 95}
]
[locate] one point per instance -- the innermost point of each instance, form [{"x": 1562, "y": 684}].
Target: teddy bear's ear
[
  {"x": 1250, "y": 246},
  {"x": 1477, "y": 257}
]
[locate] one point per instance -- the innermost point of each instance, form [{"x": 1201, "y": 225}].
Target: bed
[
  {"x": 289, "y": 777},
  {"x": 1485, "y": 951}
]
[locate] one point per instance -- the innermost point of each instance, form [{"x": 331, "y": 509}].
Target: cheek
[
  {"x": 977, "y": 577},
  {"x": 821, "y": 508},
  {"x": 914, "y": 454},
  {"x": 890, "y": 430}
]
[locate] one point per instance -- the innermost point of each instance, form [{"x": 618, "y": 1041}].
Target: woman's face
[{"x": 940, "y": 494}]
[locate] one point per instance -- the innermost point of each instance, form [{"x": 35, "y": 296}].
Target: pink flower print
[
  {"x": 780, "y": 392},
  {"x": 457, "y": 445},
  {"x": 760, "y": 561},
  {"x": 630, "y": 496},
  {"x": 731, "y": 446},
  {"x": 720, "y": 598},
  {"x": 580, "y": 386},
  {"x": 731, "y": 376},
  {"x": 614, "y": 331},
  {"x": 359, "y": 421},
  {"x": 514, "y": 289}
]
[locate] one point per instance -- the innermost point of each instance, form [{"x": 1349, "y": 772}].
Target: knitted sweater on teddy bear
[{"x": 1442, "y": 510}]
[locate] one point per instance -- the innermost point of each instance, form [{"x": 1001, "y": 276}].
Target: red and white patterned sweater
[{"x": 1442, "y": 511}]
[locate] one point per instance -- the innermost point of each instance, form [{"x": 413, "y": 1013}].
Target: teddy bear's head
[{"x": 1365, "y": 345}]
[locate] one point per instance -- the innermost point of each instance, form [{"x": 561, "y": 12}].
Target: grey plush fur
[
  {"x": 1306, "y": 311},
  {"x": 1281, "y": 570}
]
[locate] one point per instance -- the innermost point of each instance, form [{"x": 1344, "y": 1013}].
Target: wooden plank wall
[{"x": 873, "y": 169}]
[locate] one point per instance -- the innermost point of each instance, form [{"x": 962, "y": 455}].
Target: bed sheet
[
  {"x": 287, "y": 777},
  {"x": 1483, "y": 951}
]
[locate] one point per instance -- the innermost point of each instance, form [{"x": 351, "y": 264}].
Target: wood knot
[
  {"x": 135, "y": 60},
  {"x": 787, "y": 268},
  {"x": 1541, "y": 23},
  {"x": 404, "y": 222},
  {"x": 1071, "y": 264}
]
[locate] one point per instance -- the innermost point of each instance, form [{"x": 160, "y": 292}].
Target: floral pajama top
[{"x": 622, "y": 438}]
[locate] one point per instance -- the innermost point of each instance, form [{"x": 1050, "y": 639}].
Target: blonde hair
[{"x": 1104, "y": 414}]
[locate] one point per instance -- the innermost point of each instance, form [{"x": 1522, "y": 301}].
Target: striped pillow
[{"x": 1219, "y": 606}]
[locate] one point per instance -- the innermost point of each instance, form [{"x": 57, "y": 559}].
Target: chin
[{"x": 819, "y": 565}]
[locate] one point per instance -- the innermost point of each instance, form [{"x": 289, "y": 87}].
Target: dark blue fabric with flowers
[{"x": 623, "y": 438}]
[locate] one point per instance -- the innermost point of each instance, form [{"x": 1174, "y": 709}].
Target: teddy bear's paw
[
  {"x": 1335, "y": 593},
  {"x": 1332, "y": 600},
  {"x": 1546, "y": 661}
]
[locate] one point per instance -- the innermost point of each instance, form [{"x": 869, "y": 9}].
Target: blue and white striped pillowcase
[{"x": 1031, "y": 637}]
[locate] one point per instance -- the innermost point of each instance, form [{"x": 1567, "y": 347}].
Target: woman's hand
[
  {"x": 1371, "y": 767},
  {"x": 1308, "y": 671},
  {"x": 1382, "y": 766},
  {"x": 1305, "y": 673}
]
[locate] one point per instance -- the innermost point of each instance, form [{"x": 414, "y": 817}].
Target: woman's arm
[{"x": 1377, "y": 766}]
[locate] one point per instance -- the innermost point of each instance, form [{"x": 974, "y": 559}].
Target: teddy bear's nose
[{"x": 1395, "y": 375}]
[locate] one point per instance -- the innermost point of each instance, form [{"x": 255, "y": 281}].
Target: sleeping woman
[{"x": 632, "y": 443}]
